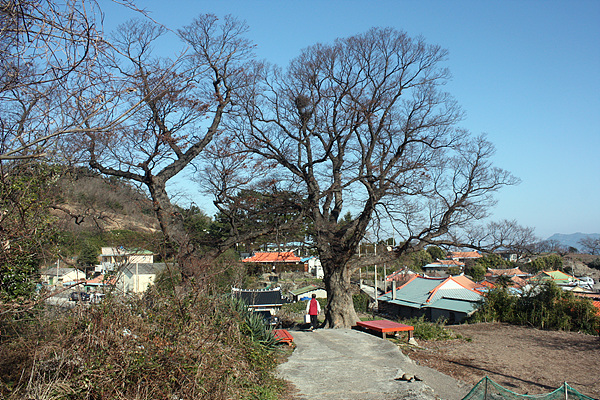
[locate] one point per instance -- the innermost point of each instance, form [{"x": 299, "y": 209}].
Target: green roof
[
  {"x": 137, "y": 250},
  {"x": 303, "y": 290},
  {"x": 416, "y": 291},
  {"x": 463, "y": 306},
  {"x": 556, "y": 276}
]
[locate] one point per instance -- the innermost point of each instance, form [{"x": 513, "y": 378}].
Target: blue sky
[{"x": 527, "y": 73}]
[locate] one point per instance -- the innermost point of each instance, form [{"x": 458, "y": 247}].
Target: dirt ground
[{"x": 524, "y": 360}]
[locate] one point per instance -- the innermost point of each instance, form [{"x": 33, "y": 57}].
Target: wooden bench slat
[
  {"x": 384, "y": 326},
  {"x": 283, "y": 335}
]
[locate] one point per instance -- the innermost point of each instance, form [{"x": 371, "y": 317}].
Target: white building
[
  {"x": 114, "y": 257},
  {"x": 137, "y": 277},
  {"x": 313, "y": 266},
  {"x": 56, "y": 275}
]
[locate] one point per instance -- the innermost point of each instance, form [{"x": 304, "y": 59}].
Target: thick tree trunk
[
  {"x": 172, "y": 226},
  {"x": 339, "y": 312}
]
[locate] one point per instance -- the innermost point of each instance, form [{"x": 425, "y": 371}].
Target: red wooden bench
[
  {"x": 283, "y": 336},
  {"x": 384, "y": 326}
]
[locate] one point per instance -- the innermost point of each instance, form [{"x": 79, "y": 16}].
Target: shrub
[
  {"x": 361, "y": 302},
  {"x": 546, "y": 263},
  {"x": 545, "y": 306},
  {"x": 185, "y": 346},
  {"x": 426, "y": 330}
]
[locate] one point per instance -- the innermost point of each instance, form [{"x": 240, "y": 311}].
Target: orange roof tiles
[
  {"x": 464, "y": 254},
  {"x": 597, "y": 305},
  {"x": 400, "y": 275},
  {"x": 518, "y": 282},
  {"x": 449, "y": 262},
  {"x": 595, "y": 296},
  {"x": 467, "y": 283},
  {"x": 100, "y": 279},
  {"x": 273, "y": 257},
  {"x": 507, "y": 271}
]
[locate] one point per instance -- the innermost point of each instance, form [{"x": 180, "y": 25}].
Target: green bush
[
  {"x": 550, "y": 262},
  {"x": 426, "y": 330},
  {"x": 254, "y": 325},
  {"x": 545, "y": 306},
  {"x": 361, "y": 302}
]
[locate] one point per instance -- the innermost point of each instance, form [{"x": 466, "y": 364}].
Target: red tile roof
[
  {"x": 400, "y": 275},
  {"x": 464, "y": 254},
  {"x": 518, "y": 282},
  {"x": 595, "y": 296},
  {"x": 507, "y": 271},
  {"x": 449, "y": 262},
  {"x": 597, "y": 305},
  {"x": 467, "y": 283},
  {"x": 100, "y": 279},
  {"x": 273, "y": 257},
  {"x": 487, "y": 284}
]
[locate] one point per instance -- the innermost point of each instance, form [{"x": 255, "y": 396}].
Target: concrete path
[{"x": 334, "y": 364}]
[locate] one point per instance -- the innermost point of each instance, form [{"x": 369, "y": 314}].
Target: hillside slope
[{"x": 89, "y": 202}]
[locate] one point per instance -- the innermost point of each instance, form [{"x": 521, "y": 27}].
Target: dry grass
[{"x": 188, "y": 346}]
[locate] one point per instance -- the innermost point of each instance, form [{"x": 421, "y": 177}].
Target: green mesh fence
[{"x": 487, "y": 389}]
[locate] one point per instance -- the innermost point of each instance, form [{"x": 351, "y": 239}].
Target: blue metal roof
[
  {"x": 456, "y": 294},
  {"x": 415, "y": 291},
  {"x": 418, "y": 291},
  {"x": 466, "y": 307}
]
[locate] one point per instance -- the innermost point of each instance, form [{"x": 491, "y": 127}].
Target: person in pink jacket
[{"x": 313, "y": 308}]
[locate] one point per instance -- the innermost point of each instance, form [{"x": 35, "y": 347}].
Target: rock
[
  {"x": 408, "y": 377},
  {"x": 399, "y": 375}
]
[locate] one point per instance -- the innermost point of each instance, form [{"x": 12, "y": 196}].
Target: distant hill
[{"x": 572, "y": 240}]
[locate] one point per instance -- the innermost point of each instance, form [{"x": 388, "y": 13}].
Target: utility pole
[{"x": 376, "y": 300}]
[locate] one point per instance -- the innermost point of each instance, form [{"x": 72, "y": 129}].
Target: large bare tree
[
  {"x": 181, "y": 104},
  {"x": 363, "y": 125},
  {"x": 50, "y": 57},
  {"x": 505, "y": 235},
  {"x": 591, "y": 245}
]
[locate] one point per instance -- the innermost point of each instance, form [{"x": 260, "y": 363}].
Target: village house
[
  {"x": 313, "y": 266},
  {"x": 463, "y": 255},
  {"x": 463, "y": 280},
  {"x": 99, "y": 282},
  {"x": 517, "y": 277},
  {"x": 262, "y": 299},
  {"x": 443, "y": 266},
  {"x": 277, "y": 261},
  {"x": 55, "y": 275},
  {"x": 562, "y": 279},
  {"x": 401, "y": 276},
  {"x": 492, "y": 273},
  {"x": 306, "y": 293},
  {"x": 114, "y": 257},
  {"x": 451, "y": 299},
  {"x": 138, "y": 277},
  {"x": 508, "y": 255}
]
